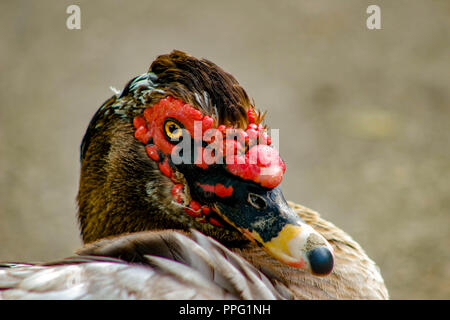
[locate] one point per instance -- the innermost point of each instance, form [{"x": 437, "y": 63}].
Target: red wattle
[
  {"x": 152, "y": 152},
  {"x": 219, "y": 189},
  {"x": 206, "y": 210},
  {"x": 215, "y": 222},
  {"x": 262, "y": 165},
  {"x": 139, "y": 121},
  {"x": 177, "y": 192},
  {"x": 165, "y": 168},
  {"x": 251, "y": 115}
]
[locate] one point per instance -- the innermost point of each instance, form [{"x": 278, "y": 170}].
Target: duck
[{"x": 180, "y": 198}]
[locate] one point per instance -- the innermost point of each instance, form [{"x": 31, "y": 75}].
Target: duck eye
[
  {"x": 257, "y": 201},
  {"x": 172, "y": 130}
]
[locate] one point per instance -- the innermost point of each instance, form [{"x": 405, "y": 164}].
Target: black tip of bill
[{"x": 321, "y": 260}]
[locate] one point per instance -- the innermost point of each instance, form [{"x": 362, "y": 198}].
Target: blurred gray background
[{"x": 363, "y": 115}]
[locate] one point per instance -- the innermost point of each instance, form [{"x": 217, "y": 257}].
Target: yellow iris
[{"x": 172, "y": 130}]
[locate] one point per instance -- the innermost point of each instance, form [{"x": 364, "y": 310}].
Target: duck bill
[{"x": 281, "y": 233}]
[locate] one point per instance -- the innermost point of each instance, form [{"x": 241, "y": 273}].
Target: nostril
[
  {"x": 257, "y": 201},
  {"x": 321, "y": 260}
]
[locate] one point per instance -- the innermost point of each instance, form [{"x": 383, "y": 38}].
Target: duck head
[{"x": 183, "y": 147}]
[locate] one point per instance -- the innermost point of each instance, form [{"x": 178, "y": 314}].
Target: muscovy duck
[{"x": 180, "y": 198}]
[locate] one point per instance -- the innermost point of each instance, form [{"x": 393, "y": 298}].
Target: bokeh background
[{"x": 364, "y": 115}]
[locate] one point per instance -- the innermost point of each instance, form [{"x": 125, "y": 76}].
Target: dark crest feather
[{"x": 187, "y": 77}]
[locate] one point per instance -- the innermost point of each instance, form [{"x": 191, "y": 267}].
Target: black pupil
[{"x": 172, "y": 128}]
